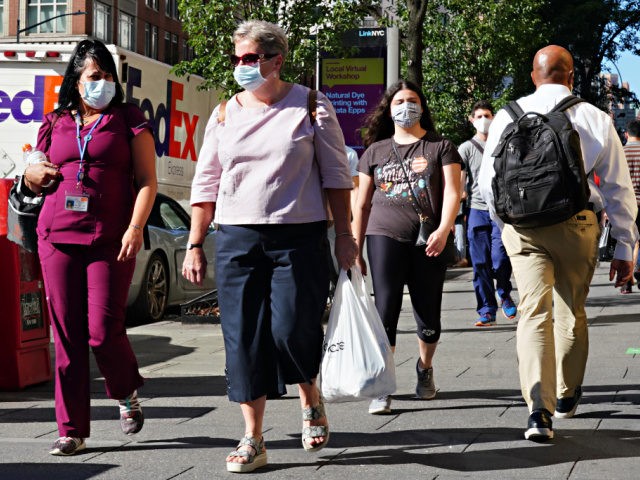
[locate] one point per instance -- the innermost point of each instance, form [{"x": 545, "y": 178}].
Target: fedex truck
[{"x": 30, "y": 78}]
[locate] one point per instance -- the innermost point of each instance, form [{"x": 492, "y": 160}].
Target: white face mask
[
  {"x": 98, "y": 94},
  {"x": 482, "y": 124},
  {"x": 406, "y": 115},
  {"x": 248, "y": 76}
]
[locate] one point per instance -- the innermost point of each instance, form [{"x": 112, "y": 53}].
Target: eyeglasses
[{"x": 250, "y": 58}]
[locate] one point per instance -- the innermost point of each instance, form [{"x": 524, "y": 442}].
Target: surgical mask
[
  {"x": 482, "y": 124},
  {"x": 99, "y": 94},
  {"x": 406, "y": 115},
  {"x": 248, "y": 76}
]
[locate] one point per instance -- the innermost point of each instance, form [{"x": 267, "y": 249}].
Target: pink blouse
[{"x": 269, "y": 165}]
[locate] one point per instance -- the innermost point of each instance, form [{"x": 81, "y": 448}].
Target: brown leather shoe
[{"x": 462, "y": 263}]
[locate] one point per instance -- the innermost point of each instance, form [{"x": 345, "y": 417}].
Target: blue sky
[{"x": 629, "y": 66}]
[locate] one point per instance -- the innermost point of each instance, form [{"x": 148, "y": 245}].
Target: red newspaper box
[{"x": 24, "y": 318}]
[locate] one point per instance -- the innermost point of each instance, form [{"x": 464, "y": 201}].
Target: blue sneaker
[
  {"x": 509, "y": 308},
  {"x": 486, "y": 320}
]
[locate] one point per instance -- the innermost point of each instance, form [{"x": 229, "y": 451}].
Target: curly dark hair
[
  {"x": 69, "y": 97},
  {"x": 379, "y": 124}
]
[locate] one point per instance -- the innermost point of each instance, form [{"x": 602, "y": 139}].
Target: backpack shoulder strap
[
  {"x": 312, "y": 104},
  {"x": 477, "y": 145},
  {"x": 514, "y": 110},
  {"x": 567, "y": 102},
  {"x": 222, "y": 110}
]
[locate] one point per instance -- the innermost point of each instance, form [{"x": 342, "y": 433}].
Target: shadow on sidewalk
[
  {"x": 475, "y": 452},
  {"x": 47, "y": 471}
]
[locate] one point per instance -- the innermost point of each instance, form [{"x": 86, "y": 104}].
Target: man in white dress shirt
[{"x": 553, "y": 265}]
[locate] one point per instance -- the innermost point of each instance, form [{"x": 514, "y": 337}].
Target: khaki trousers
[{"x": 553, "y": 267}]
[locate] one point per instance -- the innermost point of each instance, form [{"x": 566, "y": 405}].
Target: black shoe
[
  {"x": 539, "y": 427},
  {"x": 566, "y": 407}
]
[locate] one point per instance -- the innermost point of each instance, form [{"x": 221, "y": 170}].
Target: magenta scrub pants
[{"x": 87, "y": 292}]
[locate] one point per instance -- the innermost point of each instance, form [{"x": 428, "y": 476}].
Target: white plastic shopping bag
[{"x": 357, "y": 361}]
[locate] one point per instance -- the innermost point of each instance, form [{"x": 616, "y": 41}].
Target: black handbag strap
[{"x": 415, "y": 205}]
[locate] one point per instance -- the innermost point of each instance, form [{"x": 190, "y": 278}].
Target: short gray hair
[{"x": 269, "y": 36}]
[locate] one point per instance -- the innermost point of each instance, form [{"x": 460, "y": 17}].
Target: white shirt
[{"x": 601, "y": 151}]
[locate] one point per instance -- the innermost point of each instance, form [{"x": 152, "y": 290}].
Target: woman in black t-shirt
[{"x": 390, "y": 196}]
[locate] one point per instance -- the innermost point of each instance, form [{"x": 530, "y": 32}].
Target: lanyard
[{"x": 83, "y": 148}]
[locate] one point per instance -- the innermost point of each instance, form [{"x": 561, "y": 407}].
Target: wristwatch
[{"x": 193, "y": 245}]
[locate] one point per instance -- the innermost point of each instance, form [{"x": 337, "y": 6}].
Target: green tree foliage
[
  {"x": 476, "y": 50},
  {"x": 309, "y": 24},
  {"x": 594, "y": 31},
  {"x": 458, "y": 50}
]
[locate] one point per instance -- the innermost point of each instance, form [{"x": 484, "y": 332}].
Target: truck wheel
[{"x": 154, "y": 291}]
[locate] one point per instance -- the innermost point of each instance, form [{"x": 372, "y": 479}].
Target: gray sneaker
[
  {"x": 380, "y": 406},
  {"x": 425, "y": 388}
]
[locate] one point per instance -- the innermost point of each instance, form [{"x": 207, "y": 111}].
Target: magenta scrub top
[{"x": 108, "y": 178}]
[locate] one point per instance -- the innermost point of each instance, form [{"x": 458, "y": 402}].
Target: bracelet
[
  {"x": 344, "y": 234},
  {"x": 137, "y": 227}
]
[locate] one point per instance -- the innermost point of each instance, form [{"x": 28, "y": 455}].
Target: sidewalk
[{"x": 473, "y": 429}]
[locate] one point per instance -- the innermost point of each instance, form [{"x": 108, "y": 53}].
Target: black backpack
[{"x": 539, "y": 172}]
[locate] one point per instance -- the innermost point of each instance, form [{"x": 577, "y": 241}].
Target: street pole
[{"x": 19, "y": 31}]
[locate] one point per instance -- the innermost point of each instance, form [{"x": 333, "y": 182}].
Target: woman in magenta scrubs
[{"x": 99, "y": 184}]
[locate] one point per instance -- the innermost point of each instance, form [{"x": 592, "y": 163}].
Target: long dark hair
[
  {"x": 379, "y": 124},
  {"x": 69, "y": 97}
]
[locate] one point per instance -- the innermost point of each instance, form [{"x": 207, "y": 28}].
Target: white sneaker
[{"x": 380, "y": 406}]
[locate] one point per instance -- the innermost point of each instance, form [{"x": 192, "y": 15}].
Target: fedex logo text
[
  {"x": 169, "y": 114},
  {"x": 30, "y": 106}
]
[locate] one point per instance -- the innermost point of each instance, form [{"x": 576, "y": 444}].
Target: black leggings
[{"x": 393, "y": 265}]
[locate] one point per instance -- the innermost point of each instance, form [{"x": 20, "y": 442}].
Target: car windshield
[{"x": 171, "y": 218}]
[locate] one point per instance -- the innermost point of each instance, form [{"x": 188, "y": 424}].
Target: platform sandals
[
  {"x": 314, "y": 431},
  {"x": 256, "y": 455}
]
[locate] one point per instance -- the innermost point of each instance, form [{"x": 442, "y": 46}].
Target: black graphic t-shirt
[{"x": 392, "y": 207}]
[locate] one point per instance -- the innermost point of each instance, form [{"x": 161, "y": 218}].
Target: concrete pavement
[{"x": 472, "y": 429}]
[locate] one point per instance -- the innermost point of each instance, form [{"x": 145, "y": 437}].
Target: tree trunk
[{"x": 415, "y": 40}]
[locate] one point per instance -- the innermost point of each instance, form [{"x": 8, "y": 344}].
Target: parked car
[{"x": 157, "y": 280}]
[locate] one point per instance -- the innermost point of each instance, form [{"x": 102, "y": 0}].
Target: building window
[
  {"x": 152, "y": 4},
  {"x": 185, "y": 50},
  {"x": 151, "y": 41},
  {"x": 174, "y": 49},
  {"x": 127, "y": 31},
  {"x": 167, "y": 47},
  {"x": 42, "y": 10},
  {"x": 1, "y": 17},
  {"x": 171, "y": 8},
  {"x": 102, "y": 22}
]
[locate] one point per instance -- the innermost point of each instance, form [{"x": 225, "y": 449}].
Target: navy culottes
[{"x": 273, "y": 283}]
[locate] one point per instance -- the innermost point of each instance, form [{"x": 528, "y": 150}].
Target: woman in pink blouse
[
  {"x": 89, "y": 232},
  {"x": 263, "y": 173}
]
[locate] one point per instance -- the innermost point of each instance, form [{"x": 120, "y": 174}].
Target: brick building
[{"x": 148, "y": 27}]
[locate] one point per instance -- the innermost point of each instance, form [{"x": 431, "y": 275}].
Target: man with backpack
[
  {"x": 488, "y": 256},
  {"x": 534, "y": 180}
]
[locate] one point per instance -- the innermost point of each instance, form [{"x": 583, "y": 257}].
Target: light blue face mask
[
  {"x": 248, "y": 76},
  {"x": 99, "y": 94}
]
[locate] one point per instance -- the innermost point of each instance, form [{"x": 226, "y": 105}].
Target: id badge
[{"x": 76, "y": 203}]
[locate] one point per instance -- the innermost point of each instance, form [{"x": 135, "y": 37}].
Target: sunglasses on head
[{"x": 250, "y": 58}]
